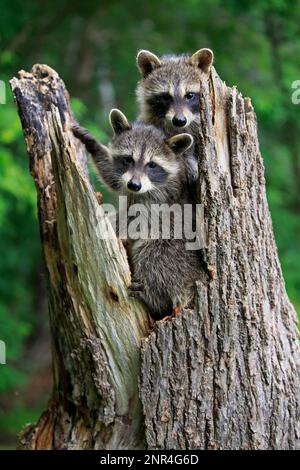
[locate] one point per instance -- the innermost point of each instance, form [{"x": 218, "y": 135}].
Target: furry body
[{"x": 141, "y": 163}]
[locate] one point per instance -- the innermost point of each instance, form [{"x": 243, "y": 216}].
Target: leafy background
[{"x": 93, "y": 46}]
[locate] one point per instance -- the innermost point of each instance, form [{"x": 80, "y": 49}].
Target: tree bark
[
  {"x": 227, "y": 375},
  {"x": 223, "y": 376}
]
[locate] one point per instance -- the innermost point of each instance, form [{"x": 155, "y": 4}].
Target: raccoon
[
  {"x": 143, "y": 164},
  {"x": 168, "y": 95}
]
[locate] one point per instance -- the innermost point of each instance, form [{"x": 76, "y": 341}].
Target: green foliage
[
  {"x": 20, "y": 252},
  {"x": 93, "y": 46}
]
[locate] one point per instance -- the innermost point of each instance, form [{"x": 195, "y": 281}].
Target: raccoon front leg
[
  {"x": 158, "y": 303},
  {"x": 137, "y": 291},
  {"x": 100, "y": 154},
  {"x": 91, "y": 143},
  {"x": 191, "y": 166}
]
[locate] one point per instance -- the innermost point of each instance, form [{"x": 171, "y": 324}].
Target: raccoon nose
[
  {"x": 134, "y": 185},
  {"x": 179, "y": 121}
]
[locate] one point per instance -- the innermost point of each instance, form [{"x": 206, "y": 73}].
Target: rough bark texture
[
  {"x": 226, "y": 375},
  {"x": 223, "y": 376},
  {"x": 96, "y": 328}
]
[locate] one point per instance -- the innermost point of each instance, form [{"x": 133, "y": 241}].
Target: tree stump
[{"x": 221, "y": 376}]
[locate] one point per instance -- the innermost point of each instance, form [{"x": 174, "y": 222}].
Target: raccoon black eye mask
[
  {"x": 193, "y": 102},
  {"x": 161, "y": 103},
  {"x": 122, "y": 163},
  {"x": 156, "y": 173}
]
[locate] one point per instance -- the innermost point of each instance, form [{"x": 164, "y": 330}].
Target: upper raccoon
[
  {"x": 168, "y": 94},
  {"x": 142, "y": 163}
]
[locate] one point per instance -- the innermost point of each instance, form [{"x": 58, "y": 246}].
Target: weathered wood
[
  {"x": 226, "y": 376},
  {"x": 96, "y": 328}
]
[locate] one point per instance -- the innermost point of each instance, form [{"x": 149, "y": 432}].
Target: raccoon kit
[
  {"x": 148, "y": 167},
  {"x": 168, "y": 95}
]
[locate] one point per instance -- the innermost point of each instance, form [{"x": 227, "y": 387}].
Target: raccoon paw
[
  {"x": 136, "y": 290},
  {"x": 192, "y": 175},
  {"x": 192, "y": 171}
]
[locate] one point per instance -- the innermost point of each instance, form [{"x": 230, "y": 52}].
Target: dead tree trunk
[{"x": 224, "y": 376}]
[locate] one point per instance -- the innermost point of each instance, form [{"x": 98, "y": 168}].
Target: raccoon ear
[
  {"x": 180, "y": 143},
  {"x": 118, "y": 121},
  {"x": 203, "y": 59},
  {"x": 146, "y": 62}
]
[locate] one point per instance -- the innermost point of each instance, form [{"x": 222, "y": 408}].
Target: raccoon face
[
  {"x": 144, "y": 161},
  {"x": 177, "y": 106},
  {"x": 169, "y": 90}
]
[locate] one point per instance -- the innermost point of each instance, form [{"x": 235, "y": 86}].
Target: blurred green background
[{"x": 92, "y": 44}]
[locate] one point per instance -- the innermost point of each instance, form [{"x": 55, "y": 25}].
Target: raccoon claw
[
  {"x": 176, "y": 310},
  {"x": 137, "y": 295}
]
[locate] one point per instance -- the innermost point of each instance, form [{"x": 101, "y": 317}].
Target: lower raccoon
[{"x": 141, "y": 163}]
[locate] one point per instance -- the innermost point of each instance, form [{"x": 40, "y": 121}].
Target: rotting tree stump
[{"x": 223, "y": 376}]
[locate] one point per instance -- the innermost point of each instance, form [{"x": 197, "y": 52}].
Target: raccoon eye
[
  {"x": 152, "y": 165},
  {"x": 190, "y": 95}
]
